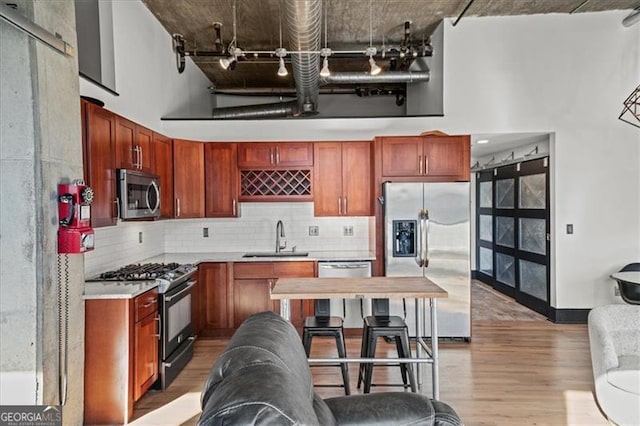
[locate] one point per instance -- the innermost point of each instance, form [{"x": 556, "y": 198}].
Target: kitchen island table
[{"x": 420, "y": 288}]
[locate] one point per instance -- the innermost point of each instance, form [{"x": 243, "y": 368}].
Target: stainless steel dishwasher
[{"x": 351, "y": 269}]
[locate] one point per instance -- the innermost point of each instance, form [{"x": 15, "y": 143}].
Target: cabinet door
[
  {"x": 100, "y": 171},
  {"x": 356, "y": 178},
  {"x": 402, "y": 156},
  {"x": 144, "y": 155},
  {"x": 327, "y": 182},
  {"x": 145, "y": 355},
  {"x": 217, "y": 295},
  {"x": 256, "y": 155},
  {"x": 221, "y": 179},
  {"x": 447, "y": 156},
  {"x": 188, "y": 178},
  {"x": 163, "y": 167},
  {"x": 294, "y": 154},
  {"x": 251, "y": 296},
  {"x": 126, "y": 147}
]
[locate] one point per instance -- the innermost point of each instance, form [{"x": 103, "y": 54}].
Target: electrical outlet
[
  {"x": 569, "y": 228},
  {"x": 205, "y": 232},
  {"x": 140, "y": 237},
  {"x": 348, "y": 231},
  {"x": 314, "y": 231}
]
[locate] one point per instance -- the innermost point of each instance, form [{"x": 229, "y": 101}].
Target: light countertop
[{"x": 116, "y": 290}]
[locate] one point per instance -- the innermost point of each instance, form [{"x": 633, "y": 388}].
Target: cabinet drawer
[
  {"x": 253, "y": 270},
  {"x": 146, "y": 304},
  {"x": 293, "y": 269}
]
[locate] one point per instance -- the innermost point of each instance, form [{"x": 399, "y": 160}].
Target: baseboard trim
[{"x": 568, "y": 316}]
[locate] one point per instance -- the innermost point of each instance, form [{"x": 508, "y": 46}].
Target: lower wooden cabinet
[
  {"x": 231, "y": 292},
  {"x": 121, "y": 356}
]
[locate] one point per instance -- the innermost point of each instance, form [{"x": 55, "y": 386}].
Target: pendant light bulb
[
  {"x": 324, "y": 72},
  {"x": 225, "y": 62},
  {"x": 375, "y": 69},
  {"x": 282, "y": 70}
]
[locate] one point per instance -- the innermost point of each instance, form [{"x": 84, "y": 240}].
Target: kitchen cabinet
[
  {"x": 198, "y": 306},
  {"x": 251, "y": 285},
  {"x": 342, "y": 179},
  {"x": 99, "y": 139},
  {"x": 133, "y": 146},
  {"x": 121, "y": 356},
  {"x": 216, "y": 299},
  {"x": 188, "y": 178},
  {"x": 267, "y": 155},
  {"x": 221, "y": 180},
  {"x": 163, "y": 167},
  {"x": 445, "y": 158}
]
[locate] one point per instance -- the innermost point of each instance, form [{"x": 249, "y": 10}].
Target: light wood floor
[{"x": 522, "y": 370}]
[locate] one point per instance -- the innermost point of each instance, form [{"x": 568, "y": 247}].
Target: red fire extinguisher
[{"x": 74, "y": 211}]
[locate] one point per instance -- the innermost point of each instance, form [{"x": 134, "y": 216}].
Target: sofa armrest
[
  {"x": 397, "y": 408},
  {"x": 601, "y": 341}
]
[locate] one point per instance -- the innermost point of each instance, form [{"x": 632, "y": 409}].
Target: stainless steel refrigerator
[{"x": 430, "y": 221}]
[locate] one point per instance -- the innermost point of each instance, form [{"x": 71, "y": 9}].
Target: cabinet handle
[
  {"x": 277, "y": 155},
  {"x": 271, "y": 156},
  {"x": 339, "y": 206},
  {"x": 234, "y": 207},
  {"x": 419, "y": 164},
  {"x": 140, "y": 158},
  {"x": 426, "y": 165},
  {"x": 177, "y": 207},
  {"x": 146, "y": 305},
  {"x": 116, "y": 201},
  {"x": 345, "y": 205}
]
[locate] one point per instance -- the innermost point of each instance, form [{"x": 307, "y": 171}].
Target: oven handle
[
  {"x": 178, "y": 294},
  {"x": 191, "y": 339}
]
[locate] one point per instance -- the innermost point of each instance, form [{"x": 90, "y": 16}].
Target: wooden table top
[{"x": 356, "y": 288}]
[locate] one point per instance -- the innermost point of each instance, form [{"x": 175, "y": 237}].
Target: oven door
[{"x": 176, "y": 318}]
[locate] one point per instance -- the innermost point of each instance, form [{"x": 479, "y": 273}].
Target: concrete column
[{"x": 40, "y": 146}]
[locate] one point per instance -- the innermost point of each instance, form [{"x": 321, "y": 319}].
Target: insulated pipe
[
  {"x": 386, "y": 77},
  {"x": 303, "y": 20},
  {"x": 251, "y": 112}
]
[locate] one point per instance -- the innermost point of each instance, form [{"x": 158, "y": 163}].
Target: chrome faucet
[{"x": 280, "y": 234}]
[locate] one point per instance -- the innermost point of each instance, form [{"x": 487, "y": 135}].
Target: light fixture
[
  {"x": 226, "y": 62},
  {"x": 282, "y": 70},
  {"x": 325, "y": 52},
  {"x": 482, "y": 141},
  {"x": 371, "y": 51},
  {"x": 375, "y": 69}
]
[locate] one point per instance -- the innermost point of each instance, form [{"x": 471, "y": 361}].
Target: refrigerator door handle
[
  {"x": 419, "y": 259},
  {"x": 424, "y": 228}
]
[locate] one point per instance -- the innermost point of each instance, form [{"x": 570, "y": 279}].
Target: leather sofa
[
  {"x": 614, "y": 339},
  {"x": 263, "y": 378}
]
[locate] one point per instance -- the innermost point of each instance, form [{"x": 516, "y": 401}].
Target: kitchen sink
[{"x": 274, "y": 254}]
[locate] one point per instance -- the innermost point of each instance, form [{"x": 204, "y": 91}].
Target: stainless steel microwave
[{"x": 138, "y": 194}]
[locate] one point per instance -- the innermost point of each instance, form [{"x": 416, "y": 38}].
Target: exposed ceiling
[{"x": 348, "y": 22}]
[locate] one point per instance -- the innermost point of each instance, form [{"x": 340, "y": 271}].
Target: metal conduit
[
  {"x": 386, "y": 77},
  {"x": 250, "y": 112},
  {"x": 303, "y": 19}
]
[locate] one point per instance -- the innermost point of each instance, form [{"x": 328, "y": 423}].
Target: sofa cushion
[{"x": 627, "y": 375}]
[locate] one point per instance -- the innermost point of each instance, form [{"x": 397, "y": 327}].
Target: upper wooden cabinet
[
  {"x": 99, "y": 142},
  {"x": 133, "y": 146},
  {"x": 221, "y": 180},
  {"x": 342, "y": 179},
  {"x": 188, "y": 178},
  {"x": 269, "y": 155},
  {"x": 163, "y": 167},
  {"x": 441, "y": 157}
]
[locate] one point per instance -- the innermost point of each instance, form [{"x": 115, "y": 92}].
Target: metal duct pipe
[
  {"x": 386, "y": 77},
  {"x": 251, "y": 112},
  {"x": 303, "y": 20}
]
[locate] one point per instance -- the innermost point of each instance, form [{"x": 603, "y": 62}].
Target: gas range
[{"x": 166, "y": 275}]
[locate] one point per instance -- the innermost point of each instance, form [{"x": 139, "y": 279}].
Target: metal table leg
[
  {"x": 285, "y": 309},
  {"x": 434, "y": 348}
]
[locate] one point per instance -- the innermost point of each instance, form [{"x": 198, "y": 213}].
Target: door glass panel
[
  {"x": 486, "y": 261},
  {"x": 486, "y": 227},
  {"x": 533, "y": 279},
  {"x": 505, "y": 231},
  {"x": 506, "y": 269},
  {"x": 504, "y": 193},
  {"x": 486, "y": 194},
  {"x": 533, "y": 191},
  {"x": 533, "y": 235}
]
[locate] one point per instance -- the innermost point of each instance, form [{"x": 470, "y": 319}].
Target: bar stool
[
  {"x": 323, "y": 324},
  {"x": 381, "y": 324}
]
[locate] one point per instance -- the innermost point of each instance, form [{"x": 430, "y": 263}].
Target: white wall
[
  {"x": 147, "y": 79},
  {"x": 559, "y": 73}
]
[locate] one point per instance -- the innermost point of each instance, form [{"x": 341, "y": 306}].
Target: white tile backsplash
[{"x": 254, "y": 230}]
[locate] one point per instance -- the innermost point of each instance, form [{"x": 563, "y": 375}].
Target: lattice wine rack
[{"x": 275, "y": 183}]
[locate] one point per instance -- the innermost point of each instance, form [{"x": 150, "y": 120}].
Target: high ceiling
[{"x": 348, "y": 22}]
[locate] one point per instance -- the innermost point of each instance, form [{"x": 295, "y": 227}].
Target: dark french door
[{"x": 513, "y": 231}]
